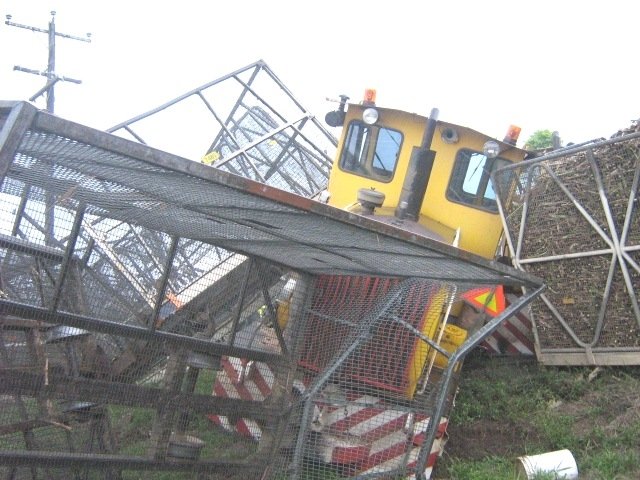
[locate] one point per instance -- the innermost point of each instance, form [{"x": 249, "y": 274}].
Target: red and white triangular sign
[{"x": 489, "y": 299}]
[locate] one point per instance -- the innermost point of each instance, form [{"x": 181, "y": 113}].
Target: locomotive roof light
[
  {"x": 491, "y": 149},
  {"x": 370, "y": 116}
]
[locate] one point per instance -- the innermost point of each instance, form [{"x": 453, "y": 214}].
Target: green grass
[
  {"x": 134, "y": 424},
  {"x": 523, "y": 408},
  {"x": 497, "y": 394},
  {"x": 490, "y": 468},
  {"x": 204, "y": 384},
  {"x": 504, "y": 409}
]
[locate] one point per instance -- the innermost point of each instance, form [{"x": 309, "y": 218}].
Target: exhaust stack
[{"x": 418, "y": 173}]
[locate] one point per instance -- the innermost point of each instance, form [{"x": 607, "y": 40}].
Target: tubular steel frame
[
  {"x": 248, "y": 130},
  {"x": 441, "y": 392},
  {"x": 592, "y": 352},
  {"x": 318, "y": 239}
]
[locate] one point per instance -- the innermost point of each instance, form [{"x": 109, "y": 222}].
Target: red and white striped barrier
[
  {"x": 356, "y": 431},
  {"x": 246, "y": 381},
  {"x": 514, "y": 336},
  {"x": 410, "y": 458}
]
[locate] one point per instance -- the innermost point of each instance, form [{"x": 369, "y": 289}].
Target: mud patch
[{"x": 484, "y": 438}]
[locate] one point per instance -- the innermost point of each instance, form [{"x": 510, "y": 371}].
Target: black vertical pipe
[
  {"x": 418, "y": 173},
  {"x": 430, "y": 131}
]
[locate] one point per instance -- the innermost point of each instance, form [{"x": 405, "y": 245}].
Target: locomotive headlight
[
  {"x": 370, "y": 116},
  {"x": 491, "y": 149}
]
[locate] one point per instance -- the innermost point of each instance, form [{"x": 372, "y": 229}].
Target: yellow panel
[
  {"x": 344, "y": 186},
  {"x": 480, "y": 230},
  {"x": 432, "y": 320},
  {"x": 452, "y": 338}
]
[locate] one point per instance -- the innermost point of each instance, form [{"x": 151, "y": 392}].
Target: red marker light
[
  {"x": 369, "y": 96},
  {"x": 512, "y": 135}
]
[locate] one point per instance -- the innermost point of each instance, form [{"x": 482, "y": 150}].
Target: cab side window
[
  {"x": 371, "y": 151},
  {"x": 471, "y": 183}
]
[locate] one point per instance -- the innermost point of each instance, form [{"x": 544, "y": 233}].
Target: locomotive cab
[{"x": 420, "y": 174}]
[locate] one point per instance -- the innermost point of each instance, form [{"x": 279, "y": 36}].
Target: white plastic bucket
[{"x": 560, "y": 462}]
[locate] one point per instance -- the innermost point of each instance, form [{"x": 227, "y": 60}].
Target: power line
[{"x": 50, "y": 72}]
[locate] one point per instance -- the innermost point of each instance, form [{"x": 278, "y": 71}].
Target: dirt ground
[
  {"x": 609, "y": 403},
  {"x": 483, "y": 438}
]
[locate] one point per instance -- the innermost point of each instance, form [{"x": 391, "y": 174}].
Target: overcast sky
[{"x": 570, "y": 66}]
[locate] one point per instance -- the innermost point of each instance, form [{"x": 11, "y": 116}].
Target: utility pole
[{"x": 50, "y": 72}]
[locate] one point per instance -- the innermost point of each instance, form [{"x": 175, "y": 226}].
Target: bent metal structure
[
  {"x": 131, "y": 276},
  {"x": 246, "y": 122}
]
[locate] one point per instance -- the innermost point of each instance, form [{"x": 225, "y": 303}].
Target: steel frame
[
  {"x": 585, "y": 352},
  {"x": 252, "y": 124},
  {"x": 318, "y": 240}
]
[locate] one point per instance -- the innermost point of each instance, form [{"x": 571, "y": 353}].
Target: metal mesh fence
[
  {"x": 571, "y": 219},
  {"x": 162, "y": 319},
  {"x": 247, "y": 123}
]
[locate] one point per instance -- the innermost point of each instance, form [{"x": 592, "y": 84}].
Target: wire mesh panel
[
  {"x": 162, "y": 316},
  {"x": 367, "y": 410},
  {"x": 247, "y": 123},
  {"x": 571, "y": 218}
]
